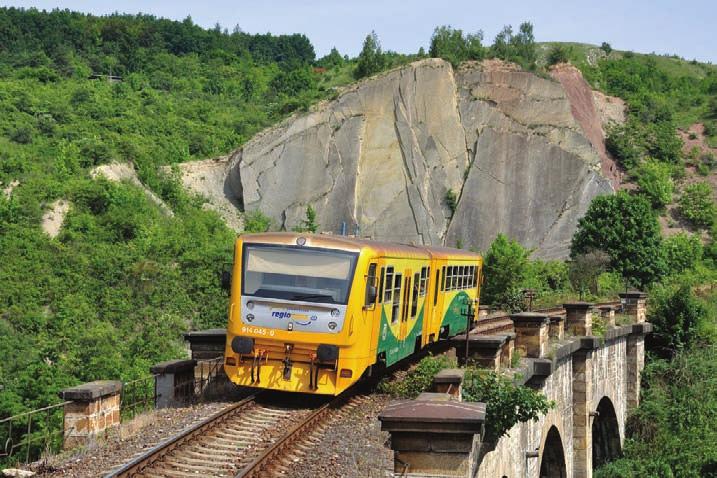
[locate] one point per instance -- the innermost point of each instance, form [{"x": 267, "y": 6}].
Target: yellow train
[{"x": 314, "y": 313}]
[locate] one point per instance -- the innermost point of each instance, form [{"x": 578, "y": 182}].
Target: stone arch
[
  {"x": 552, "y": 461},
  {"x": 605, "y": 434}
]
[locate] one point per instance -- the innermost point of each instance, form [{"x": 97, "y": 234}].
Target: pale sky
[{"x": 685, "y": 28}]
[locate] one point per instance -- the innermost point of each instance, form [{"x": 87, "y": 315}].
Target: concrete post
[
  {"x": 531, "y": 333},
  {"x": 607, "y": 314},
  {"x": 579, "y": 318},
  {"x": 635, "y": 352},
  {"x": 174, "y": 382},
  {"x": 439, "y": 438},
  {"x": 634, "y": 303},
  {"x": 449, "y": 381},
  {"x": 557, "y": 327},
  {"x": 94, "y": 408}
]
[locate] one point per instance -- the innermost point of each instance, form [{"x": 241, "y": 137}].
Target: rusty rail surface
[{"x": 154, "y": 455}]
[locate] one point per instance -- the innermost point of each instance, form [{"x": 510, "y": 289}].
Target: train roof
[{"x": 355, "y": 244}]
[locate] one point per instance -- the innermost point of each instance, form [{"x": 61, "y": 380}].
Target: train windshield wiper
[{"x": 311, "y": 297}]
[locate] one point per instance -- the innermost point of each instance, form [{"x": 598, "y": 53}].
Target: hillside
[{"x": 107, "y": 258}]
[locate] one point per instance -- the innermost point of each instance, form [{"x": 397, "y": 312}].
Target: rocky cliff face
[{"x": 387, "y": 152}]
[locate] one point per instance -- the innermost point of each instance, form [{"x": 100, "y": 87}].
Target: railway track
[{"x": 252, "y": 438}]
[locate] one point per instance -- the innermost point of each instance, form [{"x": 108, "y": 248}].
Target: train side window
[
  {"x": 416, "y": 289},
  {"x": 462, "y": 277},
  {"x": 465, "y": 277},
  {"x": 443, "y": 281},
  {"x": 436, "y": 287},
  {"x": 475, "y": 276},
  {"x": 425, "y": 271},
  {"x": 454, "y": 278},
  {"x": 471, "y": 283},
  {"x": 389, "y": 285},
  {"x": 396, "y": 298},
  {"x": 371, "y": 293},
  {"x": 380, "y": 285}
]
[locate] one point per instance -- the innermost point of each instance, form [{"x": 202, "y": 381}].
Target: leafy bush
[
  {"x": 451, "y": 199},
  {"x": 558, "y": 54},
  {"x": 255, "y": 221},
  {"x": 624, "y": 227},
  {"x": 655, "y": 182},
  {"x": 506, "y": 403},
  {"x": 682, "y": 251},
  {"x": 697, "y": 205},
  {"x": 504, "y": 268},
  {"x": 309, "y": 224},
  {"x": 418, "y": 379}
]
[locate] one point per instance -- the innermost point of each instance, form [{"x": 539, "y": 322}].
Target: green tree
[
  {"x": 452, "y": 45},
  {"x": 585, "y": 269},
  {"x": 371, "y": 60},
  {"x": 332, "y": 60},
  {"x": 697, "y": 205},
  {"x": 606, "y": 47},
  {"x": 504, "y": 266},
  {"x": 655, "y": 182},
  {"x": 625, "y": 227}
]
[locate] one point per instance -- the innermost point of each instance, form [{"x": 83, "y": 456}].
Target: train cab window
[
  {"x": 388, "y": 292},
  {"x": 416, "y": 290},
  {"x": 425, "y": 271},
  {"x": 371, "y": 292},
  {"x": 438, "y": 283},
  {"x": 396, "y": 297},
  {"x": 443, "y": 281},
  {"x": 475, "y": 277}
]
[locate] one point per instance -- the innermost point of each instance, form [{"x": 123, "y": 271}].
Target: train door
[
  {"x": 438, "y": 279},
  {"x": 405, "y": 309}
]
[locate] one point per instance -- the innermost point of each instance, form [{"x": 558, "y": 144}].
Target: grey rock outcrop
[{"x": 388, "y": 150}]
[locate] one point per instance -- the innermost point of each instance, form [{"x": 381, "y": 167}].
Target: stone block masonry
[
  {"x": 94, "y": 408},
  {"x": 531, "y": 333}
]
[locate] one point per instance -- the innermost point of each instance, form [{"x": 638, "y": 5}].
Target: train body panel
[{"x": 312, "y": 313}]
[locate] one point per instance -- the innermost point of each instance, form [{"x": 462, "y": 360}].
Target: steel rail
[
  {"x": 156, "y": 453},
  {"x": 257, "y": 468}
]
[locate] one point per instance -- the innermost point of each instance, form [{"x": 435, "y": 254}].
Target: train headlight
[
  {"x": 249, "y": 317},
  {"x": 250, "y": 305},
  {"x": 332, "y": 325},
  {"x": 335, "y": 312}
]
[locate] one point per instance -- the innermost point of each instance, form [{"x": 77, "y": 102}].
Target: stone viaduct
[{"x": 594, "y": 381}]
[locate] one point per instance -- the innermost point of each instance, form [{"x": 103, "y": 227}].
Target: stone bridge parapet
[{"x": 594, "y": 381}]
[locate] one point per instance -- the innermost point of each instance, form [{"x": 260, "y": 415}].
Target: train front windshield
[{"x": 297, "y": 273}]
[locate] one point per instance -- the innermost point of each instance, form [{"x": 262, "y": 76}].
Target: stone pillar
[
  {"x": 483, "y": 311},
  {"x": 485, "y": 350},
  {"x": 449, "y": 381},
  {"x": 434, "y": 437},
  {"x": 173, "y": 382},
  {"x": 531, "y": 333},
  {"x": 94, "y": 407},
  {"x": 506, "y": 356},
  {"x": 634, "y": 303},
  {"x": 607, "y": 314},
  {"x": 557, "y": 327},
  {"x": 579, "y": 318},
  {"x": 582, "y": 406},
  {"x": 635, "y": 352}
]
